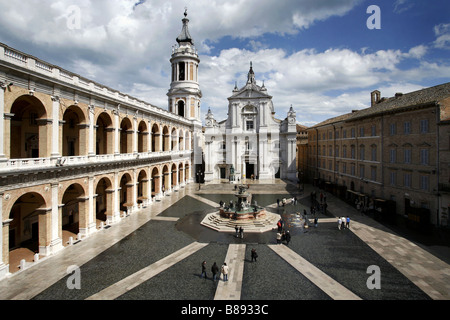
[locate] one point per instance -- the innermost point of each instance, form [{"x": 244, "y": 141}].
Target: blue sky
[{"x": 317, "y": 55}]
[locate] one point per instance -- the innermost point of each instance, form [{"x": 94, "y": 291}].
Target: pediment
[{"x": 249, "y": 94}]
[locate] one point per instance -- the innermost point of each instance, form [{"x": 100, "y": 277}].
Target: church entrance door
[{"x": 249, "y": 170}]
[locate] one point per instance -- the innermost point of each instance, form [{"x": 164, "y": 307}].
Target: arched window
[
  {"x": 181, "y": 111},
  {"x": 181, "y": 71}
]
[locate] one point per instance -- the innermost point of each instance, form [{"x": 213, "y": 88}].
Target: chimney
[
  {"x": 398, "y": 94},
  {"x": 375, "y": 97}
]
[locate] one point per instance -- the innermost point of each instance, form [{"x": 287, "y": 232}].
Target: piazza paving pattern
[{"x": 156, "y": 254}]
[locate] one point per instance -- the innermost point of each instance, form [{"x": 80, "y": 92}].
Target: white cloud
[
  {"x": 442, "y": 32},
  {"x": 128, "y": 47}
]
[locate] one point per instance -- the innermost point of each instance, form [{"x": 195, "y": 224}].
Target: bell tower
[{"x": 184, "y": 94}]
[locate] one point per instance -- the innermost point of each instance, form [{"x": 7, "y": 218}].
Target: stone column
[
  {"x": 3, "y": 248},
  {"x": 91, "y": 134},
  {"x": 116, "y": 199},
  {"x": 92, "y": 223},
  {"x": 55, "y": 237},
  {"x": 116, "y": 133},
  {"x": 135, "y": 136},
  {"x": 2, "y": 122},
  {"x": 55, "y": 128}
]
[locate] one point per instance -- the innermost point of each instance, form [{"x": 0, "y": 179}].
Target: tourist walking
[
  {"x": 279, "y": 225},
  {"x": 287, "y": 237},
  {"x": 241, "y": 232},
  {"x": 225, "y": 271},
  {"x": 215, "y": 271},
  {"x": 278, "y": 202},
  {"x": 343, "y": 222},
  {"x": 237, "y": 231},
  {"x": 203, "y": 270},
  {"x": 254, "y": 254},
  {"x": 347, "y": 223},
  {"x": 316, "y": 220},
  {"x": 278, "y": 237},
  {"x": 339, "y": 223}
]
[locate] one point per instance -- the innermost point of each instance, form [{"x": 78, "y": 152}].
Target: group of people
[
  {"x": 284, "y": 201},
  {"x": 344, "y": 222},
  {"x": 239, "y": 232},
  {"x": 282, "y": 235},
  {"x": 224, "y": 270}
]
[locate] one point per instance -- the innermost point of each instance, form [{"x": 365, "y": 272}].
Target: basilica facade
[{"x": 251, "y": 143}]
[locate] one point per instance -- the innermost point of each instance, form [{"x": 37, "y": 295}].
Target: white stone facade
[{"x": 251, "y": 143}]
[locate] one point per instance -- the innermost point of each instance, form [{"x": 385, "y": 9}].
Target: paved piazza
[{"x": 156, "y": 254}]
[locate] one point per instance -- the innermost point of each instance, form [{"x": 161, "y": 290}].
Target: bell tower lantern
[{"x": 184, "y": 94}]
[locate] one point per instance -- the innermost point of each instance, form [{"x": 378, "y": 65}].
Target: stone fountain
[
  {"x": 241, "y": 213},
  {"x": 242, "y": 209}
]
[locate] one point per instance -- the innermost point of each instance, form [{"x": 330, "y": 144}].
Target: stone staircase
[{"x": 216, "y": 222}]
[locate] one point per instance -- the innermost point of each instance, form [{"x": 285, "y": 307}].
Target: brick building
[{"x": 391, "y": 156}]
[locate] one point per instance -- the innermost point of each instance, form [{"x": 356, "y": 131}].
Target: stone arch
[
  {"x": 142, "y": 133},
  {"x": 27, "y": 227},
  {"x": 156, "y": 181},
  {"x": 181, "y": 139},
  {"x": 174, "y": 180},
  {"x": 74, "y": 212},
  {"x": 174, "y": 139},
  {"x": 156, "y": 135},
  {"x": 104, "y": 138},
  {"x": 166, "y": 139},
  {"x": 126, "y": 191},
  {"x": 74, "y": 133},
  {"x": 142, "y": 186},
  {"x": 181, "y": 174},
  {"x": 104, "y": 206},
  {"x": 126, "y": 136},
  {"x": 166, "y": 178},
  {"x": 29, "y": 129}
]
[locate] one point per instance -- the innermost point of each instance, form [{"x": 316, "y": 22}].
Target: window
[
  {"x": 407, "y": 127},
  {"x": 353, "y": 132},
  {"x": 424, "y": 183},
  {"x": 393, "y": 178},
  {"x": 373, "y": 173},
  {"x": 374, "y": 153},
  {"x": 344, "y": 151},
  {"x": 424, "y": 157},
  {"x": 362, "y": 172},
  {"x": 407, "y": 180},
  {"x": 424, "y": 126},
  {"x": 330, "y": 151},
  {"x": 374, "y": 130},
  {"x": 352, "y": 169},
  {"x": 361, "y": 132},
  {"x": 344, "y": 168},
  {"x": 330, "y": 135},
  {"x": 362, "y": 152},
  {"x": 393, "y": 129},
  {"x": 353, "y": 152},
  {"x": 250, "y": 125},
  {"x": 407, "y": 156},
  {"x": 181, "y": 71},
  {"x": 336, "y": 152},
  {"x": 393, "y": 155},
  {"x": 344, "y": 134}
]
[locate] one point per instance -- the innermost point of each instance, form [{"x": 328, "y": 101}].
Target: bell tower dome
[{"x": 184, "y": 93}]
